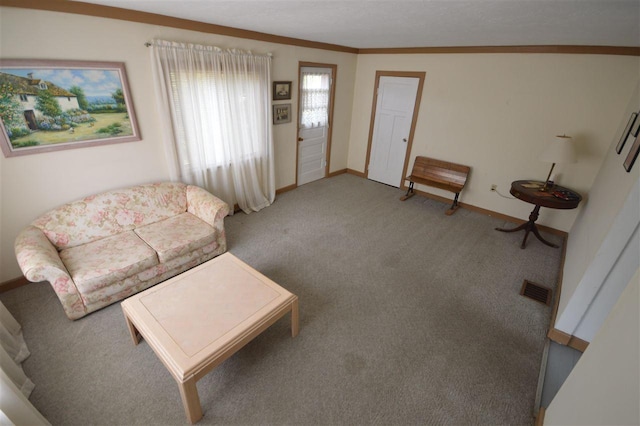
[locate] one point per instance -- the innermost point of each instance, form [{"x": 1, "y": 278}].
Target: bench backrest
[{"x": 440, "y": 173}]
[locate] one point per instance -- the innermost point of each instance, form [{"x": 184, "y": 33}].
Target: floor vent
[{"x": 536, "y": 292}]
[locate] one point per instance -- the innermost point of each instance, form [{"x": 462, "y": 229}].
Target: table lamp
[{"x": 560, "y": 150}]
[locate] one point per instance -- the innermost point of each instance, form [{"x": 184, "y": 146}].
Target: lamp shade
[{"x": 560, "y": 150}]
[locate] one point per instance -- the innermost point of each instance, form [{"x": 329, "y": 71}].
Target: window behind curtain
[
  {"x": 218, "y": 103},
  {"x": 200, "y": 95}
]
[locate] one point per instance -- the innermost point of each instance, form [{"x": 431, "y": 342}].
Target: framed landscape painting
[{"x": 48, "y": 105}]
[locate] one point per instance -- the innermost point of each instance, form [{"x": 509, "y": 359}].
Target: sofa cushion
[
  {"x": 97, "y": 264},
  {"x": 177, "y": 235},
  {"x": 99, "y": 216}
]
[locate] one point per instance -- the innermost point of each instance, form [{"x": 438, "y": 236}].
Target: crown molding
[
  {"x": 561, "y": 49},
  {"x": 90, "y": 9}
]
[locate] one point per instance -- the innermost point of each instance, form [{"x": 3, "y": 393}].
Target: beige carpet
[{"x": 407, "y": 316}]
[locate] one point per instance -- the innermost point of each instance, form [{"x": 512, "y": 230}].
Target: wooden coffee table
[{"x": 196, "y": 320}]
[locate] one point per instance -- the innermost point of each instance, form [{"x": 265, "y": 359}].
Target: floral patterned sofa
[{"x": 106, "y": 247}]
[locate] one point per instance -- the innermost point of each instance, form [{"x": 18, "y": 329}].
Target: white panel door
[
  {"x": 394, "y": 113},
  {"x": 313, "y": 123},
  {"x": 312, "y": 154}
]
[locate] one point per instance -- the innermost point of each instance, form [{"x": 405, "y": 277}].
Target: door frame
[
  {"x": 420, "y": 75},
  {"x": 332, "y": 95}
]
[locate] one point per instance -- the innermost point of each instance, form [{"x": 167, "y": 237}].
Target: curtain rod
[{"x": 149, "y": 44}]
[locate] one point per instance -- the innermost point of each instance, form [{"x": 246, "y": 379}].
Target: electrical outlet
[{"x": 494, "y": 187}]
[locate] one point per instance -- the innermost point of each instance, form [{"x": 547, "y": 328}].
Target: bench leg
[
  {"x": 409, "y": 193},
  {"x": 454, "y": 206}
]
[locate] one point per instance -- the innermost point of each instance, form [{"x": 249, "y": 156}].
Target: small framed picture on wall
[
  {"x": 281, "y": 113},
  {"x": 632, "y": 155},
  {"x": 281, "y": 90},
  {"x": 627, "y": 132},
  {"x": 635, "y": 128}
]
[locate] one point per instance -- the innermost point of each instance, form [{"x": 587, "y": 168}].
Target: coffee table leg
[
  {"x": 191, "y": 400},
  {"x": 295, "y": 327},
  {"x": 132, "y": 330}
]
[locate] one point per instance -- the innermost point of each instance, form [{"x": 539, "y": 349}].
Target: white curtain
[
  {"x": 216, "y": 114},
  {"x": 314, "y": 99},
  {"x": 15, "y": 386}
]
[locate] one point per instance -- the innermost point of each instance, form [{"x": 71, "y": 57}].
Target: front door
[
  {"x": 396, "y": 100},
  {"x": 30, "y": 117},
  {"x": 314, "y": 122}
]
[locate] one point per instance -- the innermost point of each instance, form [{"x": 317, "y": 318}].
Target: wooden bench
[{"x": 439, "y": 174}]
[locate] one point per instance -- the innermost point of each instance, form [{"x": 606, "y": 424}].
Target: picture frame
[
  {"x": 281, "y": 113},
  {"x": 635, "y": 129},
  {"x": 51, "y": 105},
  {"x": 281, "y": 90},
  {"x": 632, "y": 155},
  {"x": 627, "y": 132}
]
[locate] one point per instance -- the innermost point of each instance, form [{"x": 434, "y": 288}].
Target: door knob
[
  {"x": 300, "y": 139},
  {"x": 404, "y": 140}
]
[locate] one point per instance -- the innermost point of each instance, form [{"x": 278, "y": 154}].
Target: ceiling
[{"x": 416, "y": 23}]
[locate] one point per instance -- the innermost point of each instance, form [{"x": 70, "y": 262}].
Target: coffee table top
[{"x": 197, "y": 316}]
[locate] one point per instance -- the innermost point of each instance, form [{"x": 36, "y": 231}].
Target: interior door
[
  {"x": 312, "y": 154},
  {"x": 313, "y": 123},
  {"x": 396, "y": 100}
]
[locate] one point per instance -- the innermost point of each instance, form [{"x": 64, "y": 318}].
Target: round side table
[{"x": 531, "y": 192}]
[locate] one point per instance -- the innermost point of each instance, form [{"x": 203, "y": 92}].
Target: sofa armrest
[
  {"x": 39, "y": 261},
  {"x": 206, "y": 206},
  {"x": 36, "y": 256}
]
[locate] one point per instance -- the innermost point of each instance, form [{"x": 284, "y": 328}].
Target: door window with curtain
[
  {"x": 314, "y": 98},
  {"x": 218, "y": 120}
]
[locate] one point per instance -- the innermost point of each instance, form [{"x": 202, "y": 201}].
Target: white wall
[
  {"x": 604, "y": 386},
  {"x": 612, "y": 287},
  {"x": 606, "y": 276},
  {"x": 600, "y": 237},
  {"x": 33, "y": 184},
  {"x": 497, "y": 112}
]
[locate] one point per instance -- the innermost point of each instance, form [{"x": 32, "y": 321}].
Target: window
[
  {"x": 219, "y": 120},
  {"x": 314, "y": 99},
  {"x": 205, "y": 95}
]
